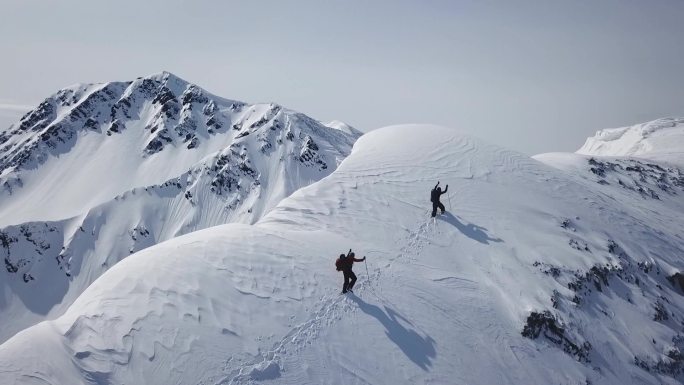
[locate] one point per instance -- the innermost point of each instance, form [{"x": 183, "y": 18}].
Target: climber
[
  {"x": 434, "y": 198},
  {"x": 344, "y": 264}
]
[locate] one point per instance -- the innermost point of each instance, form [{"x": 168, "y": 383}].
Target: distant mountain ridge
[
  {"x": 660, "y": 139},
  {"x": 97, "y": 172},
  {"x": 105, "y": 108}
]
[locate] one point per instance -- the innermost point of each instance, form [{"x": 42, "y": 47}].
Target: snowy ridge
[
  {"x": 536, "y": 275},
  {"x": 661, "y": 139},
  {"x": 118, "y": 136},
  {"x": 94, "y": 180}
]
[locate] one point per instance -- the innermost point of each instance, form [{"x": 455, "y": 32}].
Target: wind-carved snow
[
  {"x": 661, "y": 139},
  {"x": 534, "y": 275},
  {"x": 99, "y": 172}
]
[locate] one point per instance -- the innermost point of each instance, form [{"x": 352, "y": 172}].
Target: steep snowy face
[
  {"x": 98, "y": 172},
  {"x": 89, "y": 143},
  {"x": 535, "y": 275},
  {"x": 661, "y": 139}
]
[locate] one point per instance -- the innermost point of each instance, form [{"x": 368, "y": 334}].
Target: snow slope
[
  {"x": 661, "y": 139},
  {"x": 535, "y": 276},
  {"x": 100, "y": 171}
]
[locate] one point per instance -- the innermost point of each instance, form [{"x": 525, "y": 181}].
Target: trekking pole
[
  {"x": 365, "y": 262},
  {"x": 449, "y": 196}
]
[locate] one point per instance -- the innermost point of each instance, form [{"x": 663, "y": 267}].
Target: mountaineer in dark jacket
[
  {"x": 434, "y": 198},
  {"x": 344, "y": 264}
]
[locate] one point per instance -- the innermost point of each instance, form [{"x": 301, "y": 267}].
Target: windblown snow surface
[
  {"x": 661, "y": 139},
  {"x": 535, "y": 275},
  {"x": 98, "y": 172}
]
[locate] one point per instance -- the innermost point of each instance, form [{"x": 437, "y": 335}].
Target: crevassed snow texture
[{"x": 533, "y": 276}]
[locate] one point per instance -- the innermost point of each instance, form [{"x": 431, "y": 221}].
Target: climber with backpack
[
  {"x": 344, "y": 264},
  {"x": 434, "y": 198}
]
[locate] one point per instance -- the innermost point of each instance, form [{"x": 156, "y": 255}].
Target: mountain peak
[
  {"x": 162, "y": 75},
  {"x": 342, "y": 126},
  {"x": 170, "y": 80},
  {"x": 147, "y": 160},
  {"x": 155, "y": 116}
]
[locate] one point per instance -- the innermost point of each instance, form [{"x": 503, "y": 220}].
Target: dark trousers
[
  {"x": 349, "y": 280},
  {"x": 436, "y": 205}
]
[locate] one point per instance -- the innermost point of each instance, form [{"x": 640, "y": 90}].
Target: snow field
[{"x": 446, "y": 300}]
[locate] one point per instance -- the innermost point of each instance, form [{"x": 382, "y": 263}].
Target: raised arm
[
  {"x": 445, "y": 190},
  {"x": 436, "y": 185}
]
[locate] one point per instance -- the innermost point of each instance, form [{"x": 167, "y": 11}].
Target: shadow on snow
[
  {"x": 420, "y": 350},
  {"x": 472, "y": 231}
]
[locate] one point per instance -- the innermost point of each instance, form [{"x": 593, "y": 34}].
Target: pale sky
[{"x": 534, "y": 76}]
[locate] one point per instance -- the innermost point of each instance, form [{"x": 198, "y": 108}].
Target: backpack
[
  {"x": 433, "y": 193},
  {"x": 338, "y": 264}
]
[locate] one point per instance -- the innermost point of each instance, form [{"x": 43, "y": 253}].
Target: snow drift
[{"x": 535, "y": 275}]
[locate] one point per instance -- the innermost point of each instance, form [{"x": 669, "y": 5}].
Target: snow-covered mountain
[
  {"x": 100, "y": 171},
  {"x": 537, "y": 275},
  {"x": 107, "y": 139},
  {"x": 661, "y": 139},
  {"x": 642, "y": 160}
]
